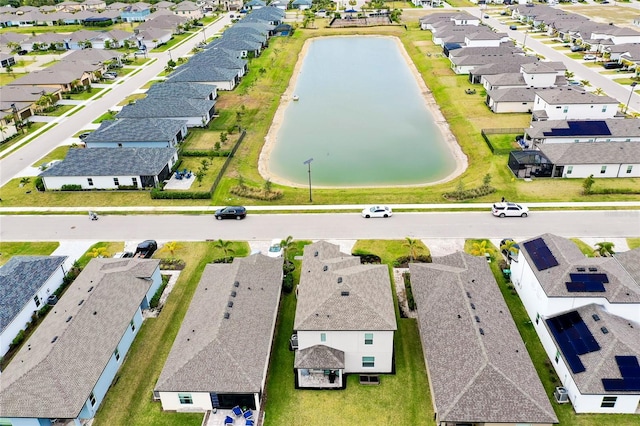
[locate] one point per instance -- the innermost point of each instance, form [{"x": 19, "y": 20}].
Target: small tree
[
  {"x": 240, "y": 181},
  {"x": 216, "y": 146},
  {"x": 200, "y": 174},
  {"x": 604, "y": 249},
  {"x": 510, "y": 247},
  {"x": 412, "y": 245},
  {"x": 267, "y": 186},
  {"x": 98, "y": 252},
  {"x": 486, "y": 180},
  {"x": 587, "y": 184},
  {"x": 172, "y": 246},
  {"x": 225, "y": 246},
  {"x": 25, "y": 181},
  {"x": 481, "y": 248},
  {"x": 223, "y": 137}
]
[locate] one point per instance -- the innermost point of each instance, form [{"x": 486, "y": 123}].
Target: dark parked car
[
  {"x": 612, "y": 65},
  {"x": 22, "y": 52},
  {"x": 146, "y": 249},
  {"x": 232, "y": 212},
  {"x": 576, "y": 48}
]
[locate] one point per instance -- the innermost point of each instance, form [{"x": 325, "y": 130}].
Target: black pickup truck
[{"x": 146, "y": 249}]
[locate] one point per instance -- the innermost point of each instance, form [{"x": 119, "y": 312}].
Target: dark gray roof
[
  {"x": 630, "y": 261},
  {"x": 319, "y": 356},
  {"x": 53, "y": 378},
  {"x": 503, "y": 49},
  {"x": 169, "y": 107},
  {"x": 622, "y": 339},
  {"x": 512, "y": 64},
  {"x": 266, "y": 13},
  {"x": 488, "y": 377},
  {"x": 345, "y": 296},
  {"x": 136, "y": 130},
  {"x": 194, "y": 73},
  {"x": 20, "y": 279},
  {"x": 592, "y": 153},
  {"x": 615, "y": 128},
  {"x": 622, "y": 288},
  {"x": 571, "y": 95},
  {"x": 183, "y": 89},
  {"x": 218, "y": 58},
  {"x": 235, "y": 43},
  {"x": 507, "y": 79},
  {"x": 246, "y": 30},
  {"x": 212, "y": 353},
  {"x": 112, "y": 162}
]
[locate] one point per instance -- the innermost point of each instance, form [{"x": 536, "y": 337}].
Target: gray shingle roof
[
  {"x": 508, "y": 79},
  {"x": 319, "y": 356},
  {"x": 196, "y": 74},
  {"x": 218, "y": 58},
  {"x": 622, "y": 339},
  {"x": 112, "y": 162},
  {"x": 512, "y": 64},
  {"x": 345, "y": 296},
  {"x": 616, "y": 127},
  {"x": 476, "y": 376},
  {"x": 20, "y": 278},
  {"x": 183, "y": 89},
  {"x": 169, "y": 107},
  {"x": 571, "y": 95},
  {"x": 53, "y": 380},
  {"x": 136, "y": 130},
  {"x": 592, "y": 153},
  {"x": 630, "y": 261},
  {"x": 621, "y": 287},
  {"x": 513, "y": 94},
  {"x": 215, "y": 354}
]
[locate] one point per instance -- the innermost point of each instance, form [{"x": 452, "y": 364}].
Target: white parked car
[
  {"x": 589, "y": 57},
  {"x": 376, "y": 211},
  {"x": 275, "y": 248},
  {"x": 509, "y": 209}
]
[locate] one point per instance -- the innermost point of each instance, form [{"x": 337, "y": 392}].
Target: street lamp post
[
  {"x": 633, "y": 85},
  {"x": 524, "y": 43},
  {"x": 308, "y": 163},
  {"x": 170, "y": 57},
  {"x": 204, "y": 35}
]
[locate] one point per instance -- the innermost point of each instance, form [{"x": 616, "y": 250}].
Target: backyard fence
[
  {"x": 500, "y": 131},
  {"x": 226, "y": 163}
]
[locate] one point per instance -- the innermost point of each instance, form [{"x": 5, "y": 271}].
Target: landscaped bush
[
  {"x": 172, "y": 264},
  {"x": 158, "y": 194},
  {"x": 127, "y": 187},
  {"x": 17, "y": 340},
  {"x": 366, "y": 257},
  {"x": 205, "y": 153},
  {"x": 403, "y": 262},
  {"x": 39, "y": 184},
  {"x": 411, "y": 302},
  {"x": 155, "y": 300},
  {"x": 256, "y": 193},
  {"x": 287, "y": 283},
  {"x": 604, "y": 191},
  {"x": 467, "y": 194},
  {"x": 71, "y": 188},
  {"x": 228, "y": 259}
]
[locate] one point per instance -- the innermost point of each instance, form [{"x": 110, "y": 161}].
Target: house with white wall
[
  {"x": 25, "y": 284},
  {"x": 345, "y": 318},
  {"x": 566, "y": 103},
  {"x": 478, "y": 366},
  {"x": 572, "y": 131},
  {"x": 220, "y": 356},
  {"x": 137, "y": 133},
  {"x": 597, "y": 159},
  {"x": 64, "y": 369}
]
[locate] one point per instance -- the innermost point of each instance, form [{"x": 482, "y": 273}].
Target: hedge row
[
  {"x": 256, "y": 193},
  {"x": 158, "y": 194},
  {"x": 205, "y": 153},
  {"x": 411, "y": 302},
  {"x": 467, "y": 194}
]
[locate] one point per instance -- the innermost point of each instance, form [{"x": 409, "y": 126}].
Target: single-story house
[
  {"x": 345, "y": 318},
  {"x": 600, "y": 159},
  {"x": 223, "y": 79},
  {"x": 185, "y": 90},
  {"x": 197, "y": 112},
  {"x": 138, "y": 133},
  {"x": 478, "y": 366},
  {"x": 64, "y": 369},
  {"x": 220, "y": 356},
  {"x": 511, "y": 99},
  {"x": 571, "y": 131},
  {"x": 25, "y": 284},
  {"x": 110, "y": 168},
  {"x": 63, "y": 76},
  {"x": 301, "y": 4},
  {"x": 153, "y": 37}
]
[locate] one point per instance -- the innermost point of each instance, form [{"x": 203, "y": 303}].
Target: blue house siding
[{"x": 157, "y": 282}]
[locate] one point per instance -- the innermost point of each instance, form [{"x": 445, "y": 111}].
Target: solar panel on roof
[
  {"x": 630, "y": 372},
  {"x": 573, "y": 337},
  {"x": 540, "y": 254},
  {"x": 581, "y": 128}
]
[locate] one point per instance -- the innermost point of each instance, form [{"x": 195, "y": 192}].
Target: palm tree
[
  {"x": 414, "y": 248},
  {"x": 98, "y": 252},
  {"x": 3, "y": 129},
  {"x": 172, "y": 246},
  {"x": 598, "y": 91},
  {"x": 287, "y": 246},
  {"x": 569, "y": 75},
  {"x": 481, "y": 248},
  {"x": 510, "y": 247},
  {"x": 25, "y": 181},
  {"x": 225, "y": 246},
  {"x": 604, "y": 249}
]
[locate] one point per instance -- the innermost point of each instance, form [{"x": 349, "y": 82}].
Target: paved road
[
  {"x": 11, "y": 165},
  {"x": 257, "y": 227}
]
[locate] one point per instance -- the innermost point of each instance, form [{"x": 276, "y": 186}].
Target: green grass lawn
[
  {"x": 633, "y": 243},
  {"x": 205, "y": 139},
  {"x": 87, "y": 94},
  {"x": 389, "y": 250},
  {"x": 129, "y": 402},
  {"x": 195, "y": 163},
  {"x": 10, "y": 249},
  {"x": 132, "y": 98},
  {"x": 59, "y": 110},
  {"x": 19, "y": 139},
  {"x": 58, "y": 153},
  {"x": 585, "y": 248},
  {"x": 6, "y": 78}
]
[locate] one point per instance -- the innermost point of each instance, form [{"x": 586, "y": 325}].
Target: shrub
[
  {"x": 205, "y": 153},
  {"x": 256, "y": 193},
  {"x": 228, "y": 259},
  {"x": 18, "y": 339},
  {"x": 127, "y": 187},
  {"x": 287, "y": 283},
  {"x": 407, "y": 285},
  {"x": 403, "y": 262},
  {"x": 288, "y": 267},
  {"x": 39, "y": 184},
  {"x": 461, "y": 194},
  {"x": 71, "y": 188},
  {"x": 366, "y": 257},
  {"x": 172, "y": 264},
  {"x": 155, "y": 300},
  {"x": 158, "y": 194}
]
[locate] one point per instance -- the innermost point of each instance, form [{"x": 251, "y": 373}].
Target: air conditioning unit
[{"x": 561, "y": 395}]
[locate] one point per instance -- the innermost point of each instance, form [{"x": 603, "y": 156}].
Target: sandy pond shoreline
[{"x": 271, "y": 138}]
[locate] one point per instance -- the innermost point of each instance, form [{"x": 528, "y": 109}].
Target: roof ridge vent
[
  {"x": 230, "y": 304},
  {"x": 227, "y": 315},
  {"x": 344, "y": 293},
  {"x": 339, "y": 280},
  {"x": 236, "y": 284},
  {"x": 325, "y": 268}
]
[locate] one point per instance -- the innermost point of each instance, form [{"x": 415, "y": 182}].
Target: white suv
[{"x": 509, "y": 209}]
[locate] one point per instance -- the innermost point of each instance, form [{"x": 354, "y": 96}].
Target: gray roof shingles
[
  {"x": 138, "y": 130},
  {"x": 53, "y": 380},
  {"x": 215, "y": 354},
  {"x": 321, "y": 303},
  {"x": 112, "y": 162},
  {"x": 319, "y": 356},
  {"x": 20, "y": 278},
  {"x": 169, "y": 107},
  {"x": 592, "y": 153},
  {"x": 476, "y": 378},
  {"x": 184, "y": 89}
]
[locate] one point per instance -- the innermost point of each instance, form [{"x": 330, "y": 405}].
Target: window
[
  {"x": 37, "y": 300},
  {"x": 604, "y": 108},
  {"x": 185, "y": 398},
  {"x": 89, "y": 181},
  {"x": 629, "y": 168},
  {"x": 368, "y": 338},
  {"x": 368, "y": 361},
  {"x": 537, "y": 318},
  {"x": 566, "y": 109},
  {"x": 134, "y": 181},
  {"x": 323, "y": 337},
  {"x": 116, "y": 354},
  {"x": 116, "y": 182},
  {"x": 603, "y": 169},
  {"x": 557, "y": 356},
  {"x": 92, "y": 399},
  {"x": 608, "y": 401},
  {"x": 132, "y": 325},
  {"x": 569, "y": 169}
]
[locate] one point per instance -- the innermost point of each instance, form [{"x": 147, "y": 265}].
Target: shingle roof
[
  {"x": 622, "y": 339},
  {"x": 513, "y": 94},
  {"x": 571, "y": 95},
  {"x": 345, "y": 296},
  {"x": 183, "y": 89},
  {"x": 319, "y": 356},
  {"x": 196, "y": 74},
  {"x": 592, "y": 153},
  {"x": 512, "y": 64},
  {"x": 20, "y": 278},
  {"x": 53, "y": 378},
  {"x": 609, "y": 128},
  {"x": 169, "y": 107},
  {"x": 621, "y": 287},
  {"x": 212, "y": 353},
  {"x": 478, "y": 366},
  {"x": 137, "y": 130},
  {"x": 112, "y": 162},
  {"x": 630, "y": 261},
  {"x": 507, "y": 79},
  {"x": 218, "y": 58}
]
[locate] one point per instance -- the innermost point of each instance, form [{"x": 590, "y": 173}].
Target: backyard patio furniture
[
  {"x": 237, "y": 411},
  {"x": 248, "y": 414},
  {"x": 228, "y": 421},
  {"x": 248, "y": 422}
]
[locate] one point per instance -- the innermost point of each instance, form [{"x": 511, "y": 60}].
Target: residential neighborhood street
[{"x": 66, "y": 127}]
